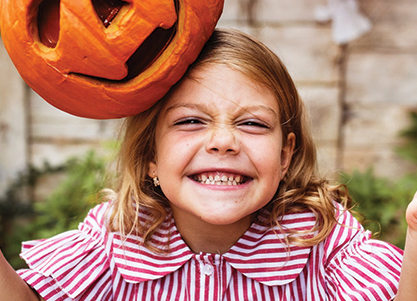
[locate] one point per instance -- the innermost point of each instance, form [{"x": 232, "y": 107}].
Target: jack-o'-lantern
[{"x": 105, "y": 58}]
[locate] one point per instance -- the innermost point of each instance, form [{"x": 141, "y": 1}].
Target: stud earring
[{"x": 155, "y": 181}]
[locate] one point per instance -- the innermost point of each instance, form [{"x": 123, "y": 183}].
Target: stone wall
[
  {"x": 381, "y": 87},
  {"x": 358, "y": 94}
]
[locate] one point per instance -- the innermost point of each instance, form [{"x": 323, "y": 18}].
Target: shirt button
[{"x": 208, "y": 269}]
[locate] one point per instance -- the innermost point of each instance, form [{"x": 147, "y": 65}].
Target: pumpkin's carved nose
[{"x": 107, "y": 9}]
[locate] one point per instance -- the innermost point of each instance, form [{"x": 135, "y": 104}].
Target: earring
[{"x": 155, "y": 181}]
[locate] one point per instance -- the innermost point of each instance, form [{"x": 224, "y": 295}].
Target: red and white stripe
[{"x": 90, "y": 264}]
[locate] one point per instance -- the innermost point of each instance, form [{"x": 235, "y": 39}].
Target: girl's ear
[
  {"x": 152, "y": 170},
  {"x": 286, "y": 153}
]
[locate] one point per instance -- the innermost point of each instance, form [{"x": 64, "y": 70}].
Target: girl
[{"x": 219, "y": 199}]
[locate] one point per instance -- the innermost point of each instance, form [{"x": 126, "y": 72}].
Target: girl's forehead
[{"x": 220, "y": 85}]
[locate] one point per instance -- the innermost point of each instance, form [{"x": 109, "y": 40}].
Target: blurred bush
[
  {"x": 409, "y": 149},
  {"x": 67, "y": 206},
  {"x": 22, "y": 218},
  {"x": 381, "y": 201}
]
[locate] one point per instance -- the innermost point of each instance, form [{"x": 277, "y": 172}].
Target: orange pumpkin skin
[{"x": 85, "y": 73}]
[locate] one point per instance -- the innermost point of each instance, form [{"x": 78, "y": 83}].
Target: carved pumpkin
[{"x": 105, "y": 58}]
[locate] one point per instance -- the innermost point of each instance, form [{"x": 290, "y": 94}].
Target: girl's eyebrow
[
  {"x": 199, "y": 107},
  {"x": 206, "y": 108},
  {"x": 253, "y": 109}
]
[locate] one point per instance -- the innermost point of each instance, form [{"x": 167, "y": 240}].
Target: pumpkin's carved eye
[
  {"x": 48, "y": 17},
  {"x": 48, "y": 23}
]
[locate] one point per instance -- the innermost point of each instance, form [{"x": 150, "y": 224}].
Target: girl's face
[{"x": 220, "y": 153}]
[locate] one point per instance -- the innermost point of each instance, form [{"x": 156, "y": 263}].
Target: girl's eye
[
  {"x": 254, "y": 126},
  {"x": 257, "y": 124},
  {"x": 189, "y": 124},
  {"x": 188, "y": 121}
]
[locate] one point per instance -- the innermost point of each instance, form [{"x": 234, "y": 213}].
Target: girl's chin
[{"x": 226, "y": 219}]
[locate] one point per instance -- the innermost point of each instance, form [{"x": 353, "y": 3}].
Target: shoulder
[
  {"x": 356, "y": 264},
  {"x": 344, "y": 232},
  {"x": 79, "y": 255},
  {"x": 97, "y": 217}
]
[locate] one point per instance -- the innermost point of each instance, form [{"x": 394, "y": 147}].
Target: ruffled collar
[{"x": 260, "y": 254}]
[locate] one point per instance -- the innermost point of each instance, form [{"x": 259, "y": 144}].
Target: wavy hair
[{"x": 301, "y": 189}]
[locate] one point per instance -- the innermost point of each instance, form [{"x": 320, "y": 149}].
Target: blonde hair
[{"x": 300, "y": 190}]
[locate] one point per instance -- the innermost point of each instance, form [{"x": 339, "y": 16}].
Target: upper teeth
[{"x": 219, "y": 179}]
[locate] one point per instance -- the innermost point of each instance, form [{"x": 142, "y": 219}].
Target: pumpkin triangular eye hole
[
  {"x": 151, "y": 49},
  {"x": 48, "y": 17},
  {"x": 48, "y": 22},
  {"x": 107, "y": 9}
]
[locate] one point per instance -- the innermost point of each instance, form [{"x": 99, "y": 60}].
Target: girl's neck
[{"x": 202, "y": 237}]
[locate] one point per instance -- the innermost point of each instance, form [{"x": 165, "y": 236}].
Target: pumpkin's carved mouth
[{"x": 148, "y": 52}]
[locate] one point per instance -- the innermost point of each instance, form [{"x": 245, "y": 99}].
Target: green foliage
[
  {"x": 67, "y": 206},
  {"x": 22, "y": 218},
  {"x": 382, "y": 203},
  {"x": 409, "y": 149},
  {"x": 16, "y": 210}
]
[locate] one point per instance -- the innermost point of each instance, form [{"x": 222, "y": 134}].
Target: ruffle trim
[
  {"x": 74, "y": 260},
  {"x": 365, "y": 266}
]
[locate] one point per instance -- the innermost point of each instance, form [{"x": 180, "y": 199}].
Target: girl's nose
[{"x": 222, "y": 140}]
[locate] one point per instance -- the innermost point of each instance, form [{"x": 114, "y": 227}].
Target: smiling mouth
[{"x": 217, "y": 178}]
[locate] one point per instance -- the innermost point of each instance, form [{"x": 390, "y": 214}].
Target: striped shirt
[{"x": 92, "y": 264}]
